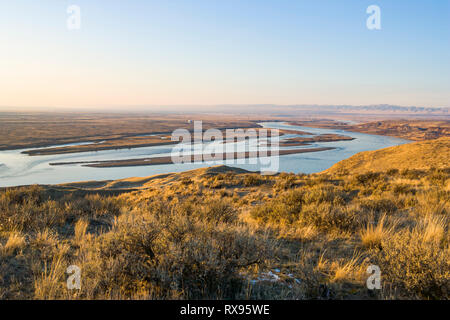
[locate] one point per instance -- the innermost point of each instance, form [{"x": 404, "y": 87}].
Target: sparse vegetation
[
  {"x": 410, "y": 159},
  {"x": 215, "y": 234}
]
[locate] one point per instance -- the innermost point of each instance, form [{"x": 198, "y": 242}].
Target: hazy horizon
[{"x": 232, "y": 108}]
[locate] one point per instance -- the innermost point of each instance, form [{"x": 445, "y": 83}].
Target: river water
[{"x": 20, "y": 169}]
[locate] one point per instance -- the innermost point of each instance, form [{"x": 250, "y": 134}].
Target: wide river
[{"x": 17, "y": 168}]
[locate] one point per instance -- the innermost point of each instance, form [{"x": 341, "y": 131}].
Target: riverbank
[
  {"x": 416, "y": 130},
  {"x": 21, "y": 169},
  {"x": 148, "y": 140},
  {"x": 189, "y": 159}
]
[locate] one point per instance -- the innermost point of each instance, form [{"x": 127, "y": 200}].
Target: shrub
[
  {"x": 31, "y": 216},
  {"x": 284, "y": 209},
  {"x": 217, "y": 210},
  {"x": 252, "y": 180},
  {"x": 327, "y": 217},
  {"x": 95, "y": 206},
  {"x": 413, "y": 267},
  {"x": 378, "y": 205},
  {"x": 412, "y": 174},
  {"x": 284, "y": 181},
  {"x": 172, "y": 257},
  {"x": 367, "y": 178},
  {"x": 403, "y": 189},
  {"x": 328, "y": 194},
  {"x": 438, "y": 177}
]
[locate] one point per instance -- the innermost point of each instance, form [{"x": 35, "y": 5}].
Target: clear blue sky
[{"x": 140, "y": 52}]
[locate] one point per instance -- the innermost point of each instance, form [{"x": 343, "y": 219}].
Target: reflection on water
[{"x": 20, "y": 169}]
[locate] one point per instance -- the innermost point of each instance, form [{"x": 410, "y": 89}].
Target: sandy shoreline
[{"x": 168, "y": 160}]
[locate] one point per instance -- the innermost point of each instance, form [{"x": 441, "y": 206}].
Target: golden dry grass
[
  {"x": 418, "y": 155},
  {"x": 220, "y": 233},
  {"x": 15, "y": 242},
  {"x": 373, "y": 235}
]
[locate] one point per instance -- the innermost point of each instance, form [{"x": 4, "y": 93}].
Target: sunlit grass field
[{"x": 220, "y": 234}]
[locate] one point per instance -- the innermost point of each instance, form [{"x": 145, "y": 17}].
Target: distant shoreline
[
  {"x": 413, "y": 130},
  {"x": 129, "y": 142}
]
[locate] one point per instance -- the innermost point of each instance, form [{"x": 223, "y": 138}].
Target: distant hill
[
  {"x": 392, "y": 108},
  {"x": 418, "y": 155},
  {"x": 416, "y": 130}
]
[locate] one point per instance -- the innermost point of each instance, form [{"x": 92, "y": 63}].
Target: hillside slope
[
  {"x": 158, "y": 180},
  {"x": 418, "y": 155},
  {"x": 224, "y": 233}
]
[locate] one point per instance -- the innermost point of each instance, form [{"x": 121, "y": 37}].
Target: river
[{"x": 17, "y": 168}]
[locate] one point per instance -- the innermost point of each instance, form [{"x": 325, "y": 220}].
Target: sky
[{"x": 207, "y": 52}]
